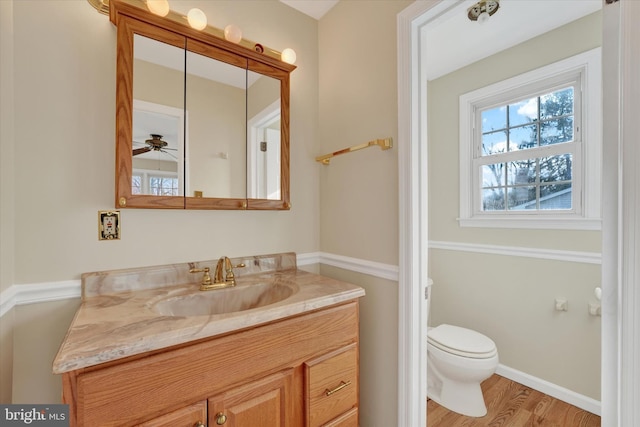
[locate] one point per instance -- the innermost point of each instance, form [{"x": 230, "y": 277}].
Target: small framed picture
[{"x": 109, "y": 225}]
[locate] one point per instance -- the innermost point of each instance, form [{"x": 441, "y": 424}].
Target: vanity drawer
[
  {"x": 332, "y": 385},
  {"x": 348, "y": 419}
]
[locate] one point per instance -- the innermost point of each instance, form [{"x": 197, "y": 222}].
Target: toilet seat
[{"x": 461, "y": 341}]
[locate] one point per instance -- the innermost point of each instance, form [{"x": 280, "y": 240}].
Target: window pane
[
  {"x": 556, "y": 168},
  {"x": 523, "y": 112},
  {"x": 493, "y": 175},
  {"x": 163, "y": 186},
  {"x": 494, "y": 119},
  {"x": 523, "y": 137},
  {"x": 521, "y": 172},
  {"x": 559, "y": 103},
  {"x": 521, "y": 197},
  {"x": 556, "y": 131},
  {"x": 493, "y": 143},
  {"x": 136, "y": 184},
  {"x": 555, "y": 197},
  {"x": 493, "y": 199}
]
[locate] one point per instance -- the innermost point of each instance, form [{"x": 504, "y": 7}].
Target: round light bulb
[
  {"x": 232, "y": 33},
  {"x": 483, "y": 17},
  {"x": 197, "y": 19},
  {"x": 288, "y": 55},
  {"x": 158, "y": 7}
]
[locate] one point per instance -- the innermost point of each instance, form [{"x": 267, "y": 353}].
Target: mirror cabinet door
[
  {"x": 264, "y": 135},
  {"x": 267, "y": 137},
  {"x": 149, "y": 111},
  {"x": 158, "y": 118},
  {"x": 216, "y": 112}
]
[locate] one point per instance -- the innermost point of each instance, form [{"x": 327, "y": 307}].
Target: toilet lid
[{"x": 461, "y": 341}]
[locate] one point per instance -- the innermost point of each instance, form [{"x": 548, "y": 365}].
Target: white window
[
  {"x": 530, "y": 149},
  {"x": 155, "y": 183}
]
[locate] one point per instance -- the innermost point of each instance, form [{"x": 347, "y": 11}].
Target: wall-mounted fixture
[
  {"x": 166, "y": 68},
  {"x": 197, "y": 19},
  {"x": 384, "y": 144},
  {"x": 595, "y": 308},
  {"x": 561, "y": 304},
  {"x": 482, "y": 10}
]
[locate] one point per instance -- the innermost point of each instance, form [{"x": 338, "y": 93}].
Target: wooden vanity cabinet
[{"x": 289, "y": 373}]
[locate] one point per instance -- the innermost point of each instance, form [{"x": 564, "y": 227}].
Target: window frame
[
  {"x": 147, "y": 174},
  {"x": 585, "y": 214}
]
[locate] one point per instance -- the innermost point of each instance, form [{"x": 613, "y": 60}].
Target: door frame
[{"x": 621, "y": 222}]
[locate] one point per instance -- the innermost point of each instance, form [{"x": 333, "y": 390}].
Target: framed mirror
[{"x": 202, "y": 123}]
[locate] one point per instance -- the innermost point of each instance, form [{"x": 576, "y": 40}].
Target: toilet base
[{"x": 463, "y": 398}]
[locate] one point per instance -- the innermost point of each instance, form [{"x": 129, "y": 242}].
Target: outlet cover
[{"x": 108, "y": 225}]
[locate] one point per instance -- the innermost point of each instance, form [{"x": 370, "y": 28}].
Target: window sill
[{"x": 533, "y": 223}]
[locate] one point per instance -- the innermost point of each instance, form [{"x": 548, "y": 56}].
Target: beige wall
[
  {"x": 358, "y": 103},
  {"x": 64, "y": 143},
  {"x": 38, "y": 331},
  {"x": 378, "y": 346},
  {"x": 62, "y": 55},
  {"x": 359, "y": 191},
  {"x": 511, "y": 299}
]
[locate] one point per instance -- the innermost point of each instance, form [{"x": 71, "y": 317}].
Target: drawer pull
[
  {"x": 198, "y": 424},
  {"x": 342, "y": 385}
]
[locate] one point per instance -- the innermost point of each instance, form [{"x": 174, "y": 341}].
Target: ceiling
[
  {"x": 314, "y": 8},
  {"x": 453, "y": 41}
]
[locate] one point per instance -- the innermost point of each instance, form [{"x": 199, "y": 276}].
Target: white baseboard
[{"x": 583, "y": 402}]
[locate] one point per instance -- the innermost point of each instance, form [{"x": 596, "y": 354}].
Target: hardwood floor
[{"x": 510, "y": 404}]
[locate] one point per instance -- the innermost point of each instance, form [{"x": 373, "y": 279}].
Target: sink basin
[{"x": 227, "y": 300}]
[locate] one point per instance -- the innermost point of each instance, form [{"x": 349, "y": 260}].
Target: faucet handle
[
  {"x": 206, "y": 277},
  {"x": 230, "y": 276}
]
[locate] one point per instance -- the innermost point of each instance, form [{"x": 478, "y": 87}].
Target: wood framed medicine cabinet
[{"x": 185, "y": 142}]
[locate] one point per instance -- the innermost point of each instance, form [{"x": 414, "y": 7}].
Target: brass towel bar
[{"x": 384, "y": 144}]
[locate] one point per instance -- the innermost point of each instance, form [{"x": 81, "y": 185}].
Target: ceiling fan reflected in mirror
[{"x": 154, "y": 144}]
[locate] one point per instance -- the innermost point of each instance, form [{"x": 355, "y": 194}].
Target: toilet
[{"x": 458, "y": 360}]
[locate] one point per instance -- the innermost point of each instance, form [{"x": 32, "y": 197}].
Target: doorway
[{"x": 413, "y": 274}]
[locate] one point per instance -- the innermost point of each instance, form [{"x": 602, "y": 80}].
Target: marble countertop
[{"x": 118, "y": 318}]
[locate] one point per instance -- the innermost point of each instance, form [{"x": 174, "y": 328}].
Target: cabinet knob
[
  {"x": 199, "y": 424},
  {"x": 221, "y": 418}
]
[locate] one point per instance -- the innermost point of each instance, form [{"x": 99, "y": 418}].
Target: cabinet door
[
  {"x": 190, "y": 416},
  {"x": 265, "y": 402}
]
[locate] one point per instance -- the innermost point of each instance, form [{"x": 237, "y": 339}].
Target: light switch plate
[{"x": 108, "y": 225}]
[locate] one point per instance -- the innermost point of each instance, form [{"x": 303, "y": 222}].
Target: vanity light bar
[{"x": 102, "y": 6}]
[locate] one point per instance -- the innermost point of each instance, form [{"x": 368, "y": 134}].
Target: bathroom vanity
[{"x": 287, "y": 357}]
